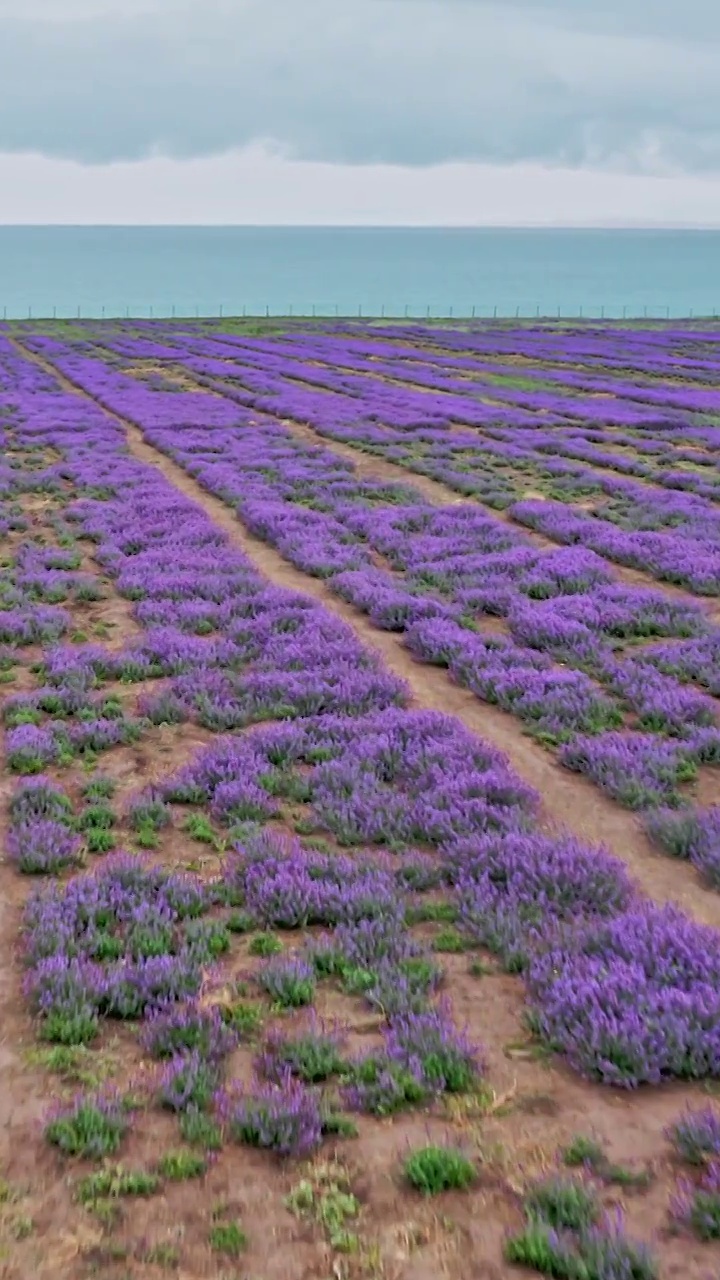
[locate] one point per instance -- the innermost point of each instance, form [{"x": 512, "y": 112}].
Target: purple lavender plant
[
  {"x": 30, "y": 747},
  {"x": 449, "y": 1062},
  {"x": 189, "y": 1080},
  {"x": 632, "y": 999},
  {"x": 149, "y": 811},
  {"x": 289, "y": 981},
  {"x": 607, "y": 1253},
  {"x": 691, "y": 833},
  {"x": 189, "y": 1028},
  {"x": 695, "y": 1136},
  {"x": 42, "y": 846},
  {"x": 37, "y": 798},
  {"x": 513, "y": 892},
  {"x": 423, "y": 1055},
  {"x": 92, "y": 1126},
  {"x": 696, "y": 1206},
  {"x": 284, "y": 1117},
  {"x": 64, "y": 991},
  {"x": 312, "y": 1055}
]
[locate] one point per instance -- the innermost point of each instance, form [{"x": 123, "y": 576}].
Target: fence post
[
  {"x": 151, "y": 313},
  {"x": 602, "y": 313},
  {"x": 450, "y": 314},
  {"x": 558, "y": 312},
  {"x": 644, "y": 313},
  {"x": 336, "y": 309},
  {"x": 406, "y": 311},
  {"x": 78, "y": 314},
  {"x": 29, "y": 313},
  {"x": 173, "y": 310},
  {"x": 624, "y": 312},
  {"x": 359, "y": 309},
  {"x": 196, "y": 311},
  {"x": 54, "y": 313},
  {"x": 427, "y": 312}
]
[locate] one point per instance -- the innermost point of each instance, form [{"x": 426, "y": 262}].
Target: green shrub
[{"x": 433, "y": 1169}]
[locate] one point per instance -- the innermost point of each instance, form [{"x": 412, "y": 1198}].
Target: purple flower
[
  {"x": 289, "y": 980},
  {"x": 632, "y": 999},
  {"x": 42, "y": 846},
  {"x": 92, "y": 1126},
  {"x": 189, "y": 1080},
  {"x": 283, "y": 1117},
  {"x": 697, "y": 1205},
  {"x": 39, "y": 798},
  {"x": 312, "y": 1054},
  {"x": 188, "y": 1028},
  {"x": 29, "y": 747},
  {"x": 696, "y": 1135},
  {"x": 691, "y": 833}
]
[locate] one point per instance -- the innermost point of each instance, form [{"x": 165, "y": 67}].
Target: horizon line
[{"x": 611, "y": 225}]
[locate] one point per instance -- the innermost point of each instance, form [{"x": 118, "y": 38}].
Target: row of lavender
[
  {"x": 625, "y": 719},
  {"x": 345, "y": 362},
  {"x": 645, "y": 352},
  {"x": 528, "y": 358},
  {"x": 672, "y": 535},
  {"x": 626, "y": 514},
  {"x": 627, "y": 991},
  {"x": 386, "y": 376},
  {"x": 324, "y": 362}
]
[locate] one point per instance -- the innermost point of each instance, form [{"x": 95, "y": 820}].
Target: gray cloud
[
  {"x": 634, "y": 86},
  {"x": 667, "y": 19}
]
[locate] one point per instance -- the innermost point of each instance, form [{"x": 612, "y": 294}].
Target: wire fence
[{"x": 367, "y": 311}]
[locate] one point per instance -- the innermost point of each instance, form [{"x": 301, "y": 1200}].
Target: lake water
[{"x": 161, "y": 271}]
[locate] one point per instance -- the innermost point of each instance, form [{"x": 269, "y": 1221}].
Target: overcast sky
[{"x": 428, "y": 111}]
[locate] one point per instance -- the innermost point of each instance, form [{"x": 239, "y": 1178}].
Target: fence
[{"x": 371, "y": 311}]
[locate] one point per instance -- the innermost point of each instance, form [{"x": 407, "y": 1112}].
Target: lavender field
[{"x": 361, "y": 801}]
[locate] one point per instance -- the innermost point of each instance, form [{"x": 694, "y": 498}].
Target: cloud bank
[
  {"x": 255, "y": 187},
  {"x": 633, "y": 88}
]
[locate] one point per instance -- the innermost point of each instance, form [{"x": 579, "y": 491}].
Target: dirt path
[{"x": 569, "y": 801}]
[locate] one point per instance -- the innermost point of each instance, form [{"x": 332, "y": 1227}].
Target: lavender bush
[
  {"x": 282, "y": 1117},
  {"x": 91, "y": 1126},
  {"x": 695, "y": 1136}
]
